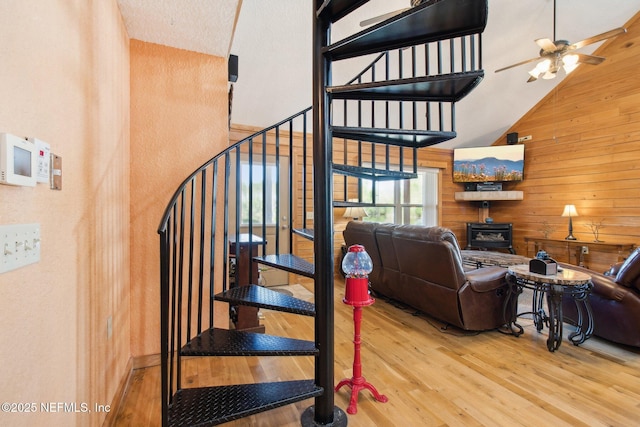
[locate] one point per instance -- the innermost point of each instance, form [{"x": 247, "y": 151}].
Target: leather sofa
[
  {"x": 422, "y": 267},
  {"x": 615, "y": 301}
]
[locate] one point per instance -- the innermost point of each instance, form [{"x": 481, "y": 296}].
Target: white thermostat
[
  {"x": 43, "y": 159},
  {"x": 17, "y": 161}
]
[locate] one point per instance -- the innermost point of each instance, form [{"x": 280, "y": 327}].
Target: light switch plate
[{"x": 19, "y": 246}]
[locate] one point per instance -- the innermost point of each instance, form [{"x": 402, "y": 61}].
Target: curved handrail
[
  {"x": 167, "y": 212},
  {"x": 181, "y": 187}
]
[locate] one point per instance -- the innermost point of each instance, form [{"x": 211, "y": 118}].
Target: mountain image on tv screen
[{"x": 489, "y": 164}]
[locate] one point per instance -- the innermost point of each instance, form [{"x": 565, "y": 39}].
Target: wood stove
[{"x": 490, "y": 236}]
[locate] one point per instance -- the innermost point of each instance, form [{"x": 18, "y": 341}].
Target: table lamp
[
  {"x": 355, "y": 212},
  {"x": 570, "y": 211}
]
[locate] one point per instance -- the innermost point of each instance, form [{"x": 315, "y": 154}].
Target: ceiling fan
[
  {"x": 561, "y": 54},
  {"x": 382, "y": 17}
]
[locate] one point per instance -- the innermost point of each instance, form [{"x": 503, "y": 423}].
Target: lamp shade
[
  {"x": 354, "y": 212},
  {"x": 570, "y": 210}
]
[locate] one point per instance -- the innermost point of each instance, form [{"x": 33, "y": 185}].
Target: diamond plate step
[
  {"x": 431, "y": 21},
  {"x": 307, "y": 233},
  {"x": 338, "y": 9},
  {"x": 209, "y": 406},
  {"x": 225, "y": 342},
  {"x": 399, "y": 137},
  {"x": 258, "y": 296},
  {"x": 288, "y": 262},
  {"x": 440, "y": 88},
  {"x": 372, "y": 173}
]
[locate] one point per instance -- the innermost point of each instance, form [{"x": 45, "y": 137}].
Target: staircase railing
[
  {"x": 451, "y": 56},
  {"x": 216, "y": 200},
  {"x": 228, "y": 196},
  {"x": 219, "y": 200}
]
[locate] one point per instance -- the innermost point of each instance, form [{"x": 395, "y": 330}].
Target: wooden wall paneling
[{"x": 585, "y": 151}]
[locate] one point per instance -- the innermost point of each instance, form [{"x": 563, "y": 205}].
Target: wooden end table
[
  {"x": 566, "y": 282},
  {"x": 243, "y": 249}
]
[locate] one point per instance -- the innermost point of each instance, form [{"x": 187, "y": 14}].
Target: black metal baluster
[
  {"x": 290, "y": 183},
  {"x": 400, "y": 111},
  {"x": 345, "y": 152},
  {"x": 179, "y": 294},
  {"x": 192, "y": 214},
  {"x": 250, "y": 209},
  {"x": 212, "y": 246},
  {"x": 164, "y": 322},
  {"x": 225, "y": 233},
  {"x": 277, "y": 204},
  {"x": 263, "y": 226},
  {"x": 203, "y": 213},
  {"x": 238, "y": 174}
]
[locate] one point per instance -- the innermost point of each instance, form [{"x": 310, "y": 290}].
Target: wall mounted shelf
[{"x": 486, "y": 196}]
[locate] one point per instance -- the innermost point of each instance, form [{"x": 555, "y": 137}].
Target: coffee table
[
  {"x": 479, "y": 259},
  {"x": 566, "y": 282}
]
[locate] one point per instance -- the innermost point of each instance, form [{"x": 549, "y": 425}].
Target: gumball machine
[{"x": 357, "y": 265}]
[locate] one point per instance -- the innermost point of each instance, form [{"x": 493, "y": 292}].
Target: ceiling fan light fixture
[
  {"x": 534, "y": 73},
  {"x": 570, "y": 62},
  {"x": 541, "y": 68},
  {"x": 556, "y": 54}
]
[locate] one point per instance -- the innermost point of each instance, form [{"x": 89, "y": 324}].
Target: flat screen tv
[{"x": 499, "y": 163}]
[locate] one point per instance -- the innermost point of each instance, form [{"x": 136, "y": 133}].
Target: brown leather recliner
[
  {"x": 422, "y": 267},
  {"x": 615, "y": 301}
]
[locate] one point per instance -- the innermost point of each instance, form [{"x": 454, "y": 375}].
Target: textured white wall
[{"x": 273, "y": 44}]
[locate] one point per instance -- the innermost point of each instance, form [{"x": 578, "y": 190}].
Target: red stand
[{"x": 355, "y": 297}]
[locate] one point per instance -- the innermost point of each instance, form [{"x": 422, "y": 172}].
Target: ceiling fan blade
[
  {"x": 589, "y": 59},
  {"x": 382, "y": 17},
  {"x": 599, "y": 37},
  {"x": 518, "y": 64},
  {"x": 546, "y": 45}
]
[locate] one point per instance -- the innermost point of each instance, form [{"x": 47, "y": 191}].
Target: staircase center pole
[{"x": 324, "y": 413}]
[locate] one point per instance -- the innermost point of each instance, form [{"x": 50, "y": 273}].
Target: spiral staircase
[{"x": 429, "y": 58}]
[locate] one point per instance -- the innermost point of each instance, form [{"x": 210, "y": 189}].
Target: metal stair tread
[
  {"x": 206, "y": 406},
  {"x": 399, "y": 137},
  {"x": 372, "y": 173},
  {"x": 259, "y": 296},
  {"x": 431, "y": 21},
  {"x": 438, "y": 88},
  {"x": 346, "y": 204},
  {"x": 288, "y": 262},
  {"x": 307, "y": 233},
  {"x": 229, "y": 342},
  {"x": 338, "y": 9}
]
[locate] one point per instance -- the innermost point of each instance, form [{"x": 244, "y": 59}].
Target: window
[
  {"x": 263, "y": 203},
  {"x": 410, "y": 201}
]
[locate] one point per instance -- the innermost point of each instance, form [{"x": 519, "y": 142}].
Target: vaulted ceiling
[{"x": 273, "y": 42}]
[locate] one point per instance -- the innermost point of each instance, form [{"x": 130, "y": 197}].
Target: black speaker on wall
[
  {"x": 512, "y": 138},
  {"x": 233, "y": 68}
]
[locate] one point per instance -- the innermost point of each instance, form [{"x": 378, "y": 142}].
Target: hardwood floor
[{"x": 432, "y": 377}]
